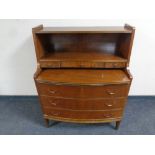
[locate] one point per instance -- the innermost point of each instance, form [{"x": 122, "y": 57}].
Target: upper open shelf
[{"x": 83, "y": 47}]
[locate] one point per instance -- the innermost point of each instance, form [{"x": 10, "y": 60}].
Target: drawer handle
[
  {"x": 53, "y": 103},
  {"x": 107, "y": 115},
  {"x": 109, "y": 105},
  {"x": 110, "y": 93},
  {"x": 52, "y": 91},
  {"x": 115, "y": 65},
  {"x": 55, "y": 114}
]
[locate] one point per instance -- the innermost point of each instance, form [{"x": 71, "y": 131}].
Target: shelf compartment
[{"x": 87, "y": 47}]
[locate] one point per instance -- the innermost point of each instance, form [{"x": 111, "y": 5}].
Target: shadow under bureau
[{"x": 82, "y": 73}]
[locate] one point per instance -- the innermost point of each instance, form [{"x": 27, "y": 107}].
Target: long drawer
[
  {"x": 83, "y": 104},
  {"x": 69, "y": 91},
  {"x": 75, "y": 114}
]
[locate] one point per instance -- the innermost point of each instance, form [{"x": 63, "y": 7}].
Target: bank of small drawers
[
  {"x": 83, "y": 102},
  {"x": 74, "y": 64}
]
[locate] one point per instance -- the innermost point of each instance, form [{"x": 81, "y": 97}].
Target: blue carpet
[{"x": 22, "y": 115}]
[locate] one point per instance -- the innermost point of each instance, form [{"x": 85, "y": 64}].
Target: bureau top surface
[
  {"x": 97, "y": 29},
  {"x": 83, "y": 76}
]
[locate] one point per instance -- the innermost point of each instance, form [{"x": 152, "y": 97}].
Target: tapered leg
[
  {"x": 117, "y": 125},
  {"x": 47, "y": 122}
]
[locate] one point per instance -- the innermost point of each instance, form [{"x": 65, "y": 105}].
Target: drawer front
[
  {"x": 107, "y": 91},
  {"x": 114, "y": 65},
  {"x": 54, "y": 64},
  {"x": 82, "y": 104},
  {"x": 82, "y": 114},
  {"x": 80, "y": 64}
]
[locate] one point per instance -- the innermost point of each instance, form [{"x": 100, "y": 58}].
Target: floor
[{"x": 22, "y": 116}]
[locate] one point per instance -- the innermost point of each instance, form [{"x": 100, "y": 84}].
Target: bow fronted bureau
[{"x": 82, "y": 72}]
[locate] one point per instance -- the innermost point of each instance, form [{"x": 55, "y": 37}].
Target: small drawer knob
[{"x": 115, "y": 64}]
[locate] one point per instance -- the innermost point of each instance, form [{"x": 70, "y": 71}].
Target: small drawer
[
  {"x": 54, "y": 64},
  {"x": 83, "y": 104},
  {"x": 82, "y": 114},
  {"x": 67, "y": 64},
  {"x": 97, "y": 64},
  {"x": 115, "y": 65},
  {"x": 106, "y": 91}
]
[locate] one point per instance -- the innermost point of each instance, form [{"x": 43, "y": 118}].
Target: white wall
[{"x": 18, "y": 62}]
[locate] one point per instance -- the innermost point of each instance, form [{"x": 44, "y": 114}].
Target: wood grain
[
  {"x": 83, "y": 76},
  {"x": 83, "y": 104},
  {"x": 107, "y": 91},
  {"x": 82, "y": 73},
  {"x": 77, "y": 114}
]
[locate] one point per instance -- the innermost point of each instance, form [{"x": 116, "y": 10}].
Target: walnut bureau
[{"x": 82, "y": 73}]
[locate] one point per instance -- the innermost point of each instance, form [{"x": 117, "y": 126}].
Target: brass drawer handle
[
  {"x": 110, "y": 93},
  {"x": 53, "y": 103},
  {"x": 107, "y": 115},
  {"x": 109, "y": 105},
  {"x": 55, "y": 113},
  {"x": 52, "y": 91}
]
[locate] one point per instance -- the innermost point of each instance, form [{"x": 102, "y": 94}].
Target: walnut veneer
[{"x": 82, "y": 72}]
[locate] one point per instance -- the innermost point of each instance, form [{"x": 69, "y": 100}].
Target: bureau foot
[
  {"x": 47, "y": 122},
  {"x": 117, "y": 125}
]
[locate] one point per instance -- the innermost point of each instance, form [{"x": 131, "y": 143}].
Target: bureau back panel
[
  {"x": 84, "y": 42},
  {"x": 80, "y": 42}
]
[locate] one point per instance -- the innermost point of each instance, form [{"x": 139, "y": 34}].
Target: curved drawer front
[
  {"x": 83, "y": 104},
  {"x": 82, "y": 114},
  {"x": 107, "y": 91}
]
